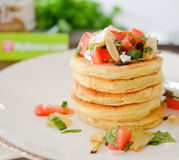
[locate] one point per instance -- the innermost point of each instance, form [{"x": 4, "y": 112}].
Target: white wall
[{"x": 159, "y": 17}]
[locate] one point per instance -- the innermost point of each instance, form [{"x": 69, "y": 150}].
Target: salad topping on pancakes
[{"x": 113, "y": 45}]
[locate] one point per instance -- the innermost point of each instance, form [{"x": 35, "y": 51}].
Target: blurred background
[{"x": 73, "y": 17}]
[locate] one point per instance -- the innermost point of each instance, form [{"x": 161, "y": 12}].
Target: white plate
[{"x": 48, "y": 79}]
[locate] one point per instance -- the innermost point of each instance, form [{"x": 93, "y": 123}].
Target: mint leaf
[
  {"x": 64, "y": 104},
  {"x": 128, "y": 147},
  {"x": 142, "y": 37},
  {"x": 146, "y": 49},
  {"x": 111, "y": 136},
  {"x": 120, "y": 51},
  {"x": 135, "y": 54},
  {"x": 161, "y": 137},
  {"x": 77, "y": 52}
]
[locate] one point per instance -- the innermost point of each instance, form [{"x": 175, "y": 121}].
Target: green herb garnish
[
  {"x": 161, "y": 137},
  {"x": 140, "y": 46},
  {"x": 146, "y": 49},
  {"x": 135, "y": 54},
  {"x": 117, "y": 43},
  {"x": 142, "y": 37},
  {"x": 58, "y": 122},
  {"x": 71, "y": 131},
  {"x": 77, "y": 52},
  {"x": 120, "y": 51},
  {"x": 111, "y": 136},
  {"x": 64, "y": 104},
  {"x": 128, "y": 147}
]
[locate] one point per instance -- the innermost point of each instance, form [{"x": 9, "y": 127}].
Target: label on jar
[{"x": 17, "y": 15}]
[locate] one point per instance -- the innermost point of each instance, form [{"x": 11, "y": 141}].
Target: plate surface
[{"x": 48, "y": 80}]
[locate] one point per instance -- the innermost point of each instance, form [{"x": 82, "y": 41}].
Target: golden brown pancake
[
  {"x": 128, "y": 112},
  {"x": 150, "y": 121},
  {"x": 117, "y": 99},
  {"x": 119, "y": 86},
  {"x": 112, "y": 71}
]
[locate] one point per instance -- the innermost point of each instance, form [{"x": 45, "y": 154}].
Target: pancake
[
  {"x": 116, "y": 113},
  {"x": 111, "y": 71},
  {"x": 117, "y": 99},
  {"x": 119, "y": 86},
  {"x": 150, "y": 121}
]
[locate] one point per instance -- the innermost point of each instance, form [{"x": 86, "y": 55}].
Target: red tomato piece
[
  {"x": 123, "y": 138},
  {"x": 121, "y": 35},
  {"x": 127, "y": 43},
  {"x": 136, "y": 33},
  {"x": 105, "y": 54},
  {"x": 84, "y": 42},
  {"x": 172, "y": 103},
  {"x": 113, "y": 29},
  {"x": 117, "y": 33},
  {"x": 66, "y": 110},
  {"x": 40, "y": 110},
  {"x": 96, "y": 56}
]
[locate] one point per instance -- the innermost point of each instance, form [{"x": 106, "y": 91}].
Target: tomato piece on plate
[
  {"x": 105, "y": 54},
  {"x": 66, "y": 110},
  {"x": 84, "y": 42},
  {"x": 172, "y": 103},
  {"x": 96, "y": 56},
  {"x": 123, "y": 138},
  {"x": 40, "y": 110}
]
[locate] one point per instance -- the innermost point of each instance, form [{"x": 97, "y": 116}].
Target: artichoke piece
[
  {"x": 150, "y": 48},
  {"x": 97, "y": 138},
  {"x": 140, "y": 139},
  {"x": 51, "y": 124}
]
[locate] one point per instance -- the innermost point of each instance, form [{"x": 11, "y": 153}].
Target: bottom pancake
[
  {"x": 150, "y": 121},
  {"x": 128, "y": 112}
]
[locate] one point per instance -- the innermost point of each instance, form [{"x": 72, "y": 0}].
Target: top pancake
[{"x": 110, "y": 71}]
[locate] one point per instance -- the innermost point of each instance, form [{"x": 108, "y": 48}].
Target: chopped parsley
[
  {"x": 120, "y": 51},
  {"x": 135, "y": 54},
  {"x": 111, "y": 136},
  {"x": 140, "y": 45},
  {"x": 71, "y": 131},
  {"x": 146, "y": 49},
  {"x": 142, "y": 37},
  {"x": 77, "y": 52},
  {"x": 64, "y": 104},
  {"x": 161, "y": 137},
  {"x": 58, "y": 122},
  {"x": 117, "y": 43}
]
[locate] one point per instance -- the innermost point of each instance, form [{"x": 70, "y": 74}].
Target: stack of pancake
[{"x": 128, "y": 95}]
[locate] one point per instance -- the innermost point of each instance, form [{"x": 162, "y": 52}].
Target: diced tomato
[
  {"x": 105, "y": 54},
  {"x": 96, "y": 56},
  {"x": 127, "y": 43},
  {"x": 123, "y": 138},
  {"x": 84, "y": 42},
  {"x": 136, "y": 33},
  {"x": 113, "y": 29},
  {"x": 117, "y": 33},
  {"x": 66, "y": 110},
  {"x": 40, "y": 110},
  {"x": 172, "y": 103}
]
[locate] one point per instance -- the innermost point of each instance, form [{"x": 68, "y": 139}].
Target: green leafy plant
[{"x": 68, "y": 15}]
